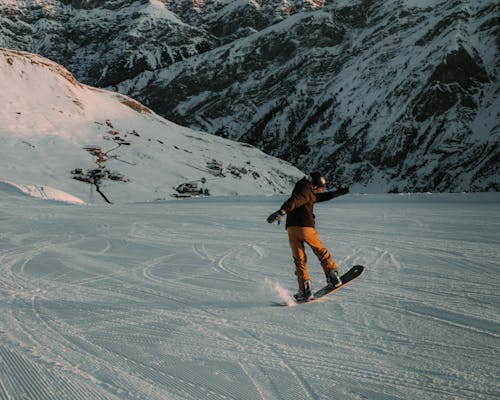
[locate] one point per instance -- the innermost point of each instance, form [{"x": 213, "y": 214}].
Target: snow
[
  {"x": 173, "y": 300},
  {"x": 421, "y": 3},
  {"x": 41, "y": 192}
]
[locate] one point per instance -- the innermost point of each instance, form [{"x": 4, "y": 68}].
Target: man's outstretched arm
[{"x": 331, "y": 195}]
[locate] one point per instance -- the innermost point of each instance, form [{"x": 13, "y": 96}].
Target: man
[{"x": 300, "y": 225}]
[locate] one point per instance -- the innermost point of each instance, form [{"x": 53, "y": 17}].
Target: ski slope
[{"x": 173, "y": 300}]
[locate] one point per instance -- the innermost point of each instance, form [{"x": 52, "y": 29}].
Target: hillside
[{"x": 59, "y": 133}]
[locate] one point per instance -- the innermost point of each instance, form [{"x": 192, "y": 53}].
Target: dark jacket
[{"x": 300, "y": 206}]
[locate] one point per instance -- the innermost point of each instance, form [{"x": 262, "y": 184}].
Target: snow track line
[
  {"x": 3, "y": 391},
  {"x": 201, "y": 252},
  {"x": 282, "y": 362},
  {"x": 430, "y": 314},
  {"x": 82, "y": 348},
  {"x": 221, "y": 265},
  {"x": 31, "y": 380},
  {"x": 263, "y": 393},
  {"x": 303, "y": 383},
  {"x": 296, "y": 376},
  {"x": 149, "y": 264},
  {"x": 233, "y": 254},
  {"x": 73, "y": 351}
]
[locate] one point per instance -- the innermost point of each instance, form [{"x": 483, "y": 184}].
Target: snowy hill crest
[{"x": 59, "y": 133}]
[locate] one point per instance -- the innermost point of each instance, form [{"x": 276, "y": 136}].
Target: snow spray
[{"x": 280, "y": 291}]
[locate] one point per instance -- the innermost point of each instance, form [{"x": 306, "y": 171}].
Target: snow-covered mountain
[
  {"x": 57, "y": 134},
  {"x": 391, "y": 94}
]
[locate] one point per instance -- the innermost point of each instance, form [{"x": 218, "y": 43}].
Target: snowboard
[{"x": 354, "y": 273}]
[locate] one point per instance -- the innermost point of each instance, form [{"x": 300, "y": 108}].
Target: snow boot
[
  {"x": 306, "y": 294},
  {"x": 334, "y": 279}
]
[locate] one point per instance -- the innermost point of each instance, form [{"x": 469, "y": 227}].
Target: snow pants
[{"x": 297, "y": 236}]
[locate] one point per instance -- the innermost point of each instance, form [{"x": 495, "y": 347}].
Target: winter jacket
[{"x": 300, "y": 206}]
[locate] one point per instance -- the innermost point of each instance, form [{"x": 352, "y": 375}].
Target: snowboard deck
[{"x": 354, "y": 273}]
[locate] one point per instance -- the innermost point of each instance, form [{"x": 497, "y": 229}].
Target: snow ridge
[{"x": 97, "y": 145}]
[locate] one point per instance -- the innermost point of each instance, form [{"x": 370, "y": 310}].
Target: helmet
[{"x": 316, "y": 179}]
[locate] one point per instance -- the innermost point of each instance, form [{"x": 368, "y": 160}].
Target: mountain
[
  {"x": 388, "y": 95},
  {"x": 60, "y": 135}
]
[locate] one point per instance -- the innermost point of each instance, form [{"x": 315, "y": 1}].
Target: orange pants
[{"x": 297, "y": 236}]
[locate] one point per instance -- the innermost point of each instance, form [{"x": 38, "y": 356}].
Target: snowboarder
[{"x": 300, "y": 225}]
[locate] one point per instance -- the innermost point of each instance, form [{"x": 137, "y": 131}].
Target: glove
[
  {"x": 276, "y": 216},
  {"x": 344, "y": 189}
]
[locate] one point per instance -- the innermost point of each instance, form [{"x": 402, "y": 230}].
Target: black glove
[
  {"x": 344, "y": 189},
  {"x": 275, "y": 216}
]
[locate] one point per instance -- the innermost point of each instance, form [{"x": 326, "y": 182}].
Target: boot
[
  {"x": 334, "y": 279},
  {"x": 306, "y": 294}
]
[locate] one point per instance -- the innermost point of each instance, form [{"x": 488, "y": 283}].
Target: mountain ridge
[{"x": 391, "y": 95}]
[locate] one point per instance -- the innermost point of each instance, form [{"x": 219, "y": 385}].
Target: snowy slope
[
  {"x": 54, "y": 129},
  {"x": 173, "y": 300}
]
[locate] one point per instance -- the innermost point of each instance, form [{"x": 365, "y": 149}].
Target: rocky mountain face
[{"x": 386, "y": 95}]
